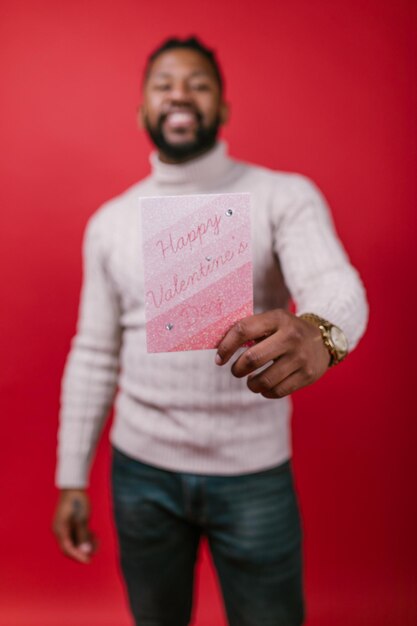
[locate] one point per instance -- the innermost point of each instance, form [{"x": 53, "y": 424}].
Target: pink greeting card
[{"x": 198, "y": 268}]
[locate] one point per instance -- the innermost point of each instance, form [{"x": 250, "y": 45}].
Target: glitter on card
[{"x": 198, "y": 268}]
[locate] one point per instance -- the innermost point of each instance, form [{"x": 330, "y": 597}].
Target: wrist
[{"x": 334, "y": 340}]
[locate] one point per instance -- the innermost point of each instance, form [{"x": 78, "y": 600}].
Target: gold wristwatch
[{"x": 333, "y": 337}]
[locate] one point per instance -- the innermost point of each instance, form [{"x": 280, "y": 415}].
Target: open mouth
[{"x": 180, "y": 121}]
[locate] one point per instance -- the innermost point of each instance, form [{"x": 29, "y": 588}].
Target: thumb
[{"x": 86, "y": 547}]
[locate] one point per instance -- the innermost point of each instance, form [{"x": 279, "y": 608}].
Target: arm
[
  {"x": 88, "y": 387},
  {"x": 321, "y": 281},
  {"x": 91, "y": 371}
]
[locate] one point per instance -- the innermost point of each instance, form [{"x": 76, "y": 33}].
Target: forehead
[{"x": 180, "y": 62}]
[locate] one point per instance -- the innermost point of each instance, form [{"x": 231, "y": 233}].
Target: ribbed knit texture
[{"x": 180, "y": 411}]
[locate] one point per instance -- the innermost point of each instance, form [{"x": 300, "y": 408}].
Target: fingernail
[
  {"x": 85, "y": 547},
  {"x": 218, "y": 359}
]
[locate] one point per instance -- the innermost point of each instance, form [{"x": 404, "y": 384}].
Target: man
[{"x": 196, "y": 451}]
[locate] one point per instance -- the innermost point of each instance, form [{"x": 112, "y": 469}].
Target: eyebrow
[{"x": 195, "y": 73}]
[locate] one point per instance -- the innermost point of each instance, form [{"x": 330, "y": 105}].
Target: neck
[{"x": 208, "y": 168}]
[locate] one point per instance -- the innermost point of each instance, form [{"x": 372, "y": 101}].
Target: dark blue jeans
[{"x": 252, "y": 525}]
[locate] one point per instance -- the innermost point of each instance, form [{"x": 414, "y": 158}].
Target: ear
[
  {"x": 140, "y": 116},
  {"x": 224, "y": 112}
]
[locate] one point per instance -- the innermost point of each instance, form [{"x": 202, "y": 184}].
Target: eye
[
  {"x": 162, "y": 87},
  {"x": 200, "y": 87}
]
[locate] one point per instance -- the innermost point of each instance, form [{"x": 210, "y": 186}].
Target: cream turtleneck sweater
[{"x": 180, "y": 411}]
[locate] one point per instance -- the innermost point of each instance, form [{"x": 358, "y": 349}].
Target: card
[{"x": 197, "y": 257}]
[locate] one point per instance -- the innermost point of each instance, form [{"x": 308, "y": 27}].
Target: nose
[{"x": 180, "y": 92}]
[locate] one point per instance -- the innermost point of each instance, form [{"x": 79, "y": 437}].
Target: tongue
[{"x": 180, "y": 119}]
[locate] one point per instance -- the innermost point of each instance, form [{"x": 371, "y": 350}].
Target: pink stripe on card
[
  {"x": 212, "y": 335},
  {"x": 205, "y": 309}
]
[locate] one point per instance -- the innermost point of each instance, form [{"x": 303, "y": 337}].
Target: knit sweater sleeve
[
  {"x": 315, "y": 265},
  {"x": 91, "y": 371}
]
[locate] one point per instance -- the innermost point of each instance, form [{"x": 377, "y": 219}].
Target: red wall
[{"x": 324, "y": 88}]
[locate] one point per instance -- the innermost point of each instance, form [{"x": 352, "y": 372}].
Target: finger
[
  {"x": 257, "y": 356},
  {"x": 93, "y": 543},
  {"x": 75, "y": 552},
  {"x": 247, "y": 329},
  {"x": 64, "y": 534},
  {"x": 271, "y": 377},
  {"x": 287, "y": 386},
  {"x": 82, "y": 537}
]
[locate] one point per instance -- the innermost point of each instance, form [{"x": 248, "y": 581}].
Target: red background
[{"x": 325, "y": 88}]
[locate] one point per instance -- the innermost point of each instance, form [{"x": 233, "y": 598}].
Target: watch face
[{"x": 338, "y": 338}]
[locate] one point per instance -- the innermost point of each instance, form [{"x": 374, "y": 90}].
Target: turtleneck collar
[{"x": 207, "y": 168}]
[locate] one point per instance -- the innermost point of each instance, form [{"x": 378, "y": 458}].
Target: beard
[{"x": 205, "y": 138}]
